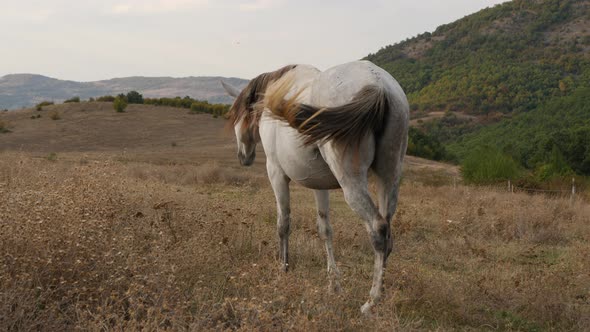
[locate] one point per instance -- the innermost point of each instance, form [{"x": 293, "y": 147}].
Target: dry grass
[
  {"x": 54, "y": 115},
  {"x": 106, "y": 226},
  {"x": 101, "y": 245},
  {"x": 4, "y": 127},
  {"x": 189, "y": 175}
]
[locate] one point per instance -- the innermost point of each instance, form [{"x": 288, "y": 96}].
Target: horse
[{"x": 327, "y": 130}]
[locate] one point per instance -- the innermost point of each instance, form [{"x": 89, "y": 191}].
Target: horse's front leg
[
  {"x": 280, "y": 185},
  {"x": 322, "y": 199}
]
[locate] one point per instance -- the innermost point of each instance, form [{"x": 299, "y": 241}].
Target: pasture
[{"x": 144, "y": 220}]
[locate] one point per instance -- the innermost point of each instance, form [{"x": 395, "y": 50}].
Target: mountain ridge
[{"x": 26, "y": 89}]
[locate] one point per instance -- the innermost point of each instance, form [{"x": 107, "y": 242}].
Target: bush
[
  {"x": 3, "y": 127},
  {"x": 72, "y": 100},
  {"x": 426, "y": 146},
  {"x": 199, "y": 107},
  {"x": 39, "y": 107},
  {"x": 557, "y": 166},
  {"x": 106, "y": 99},
  {"x": 120, "y": 104},
  {"x": 134, "y": 97},
  {"x": 54, "y": 115},
  {"x": 195, "y": 105},
  {"x": 487, "y": 165},
  {"x": 52, "y": 156}
]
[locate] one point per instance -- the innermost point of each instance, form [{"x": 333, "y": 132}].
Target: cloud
[
  {"x": 258, "y": 5},
  {"x": 29, "y": 15},
  {"x": 155, "y": 6}
]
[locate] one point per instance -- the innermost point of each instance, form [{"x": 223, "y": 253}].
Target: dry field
[{"x": 145, "y": 221}]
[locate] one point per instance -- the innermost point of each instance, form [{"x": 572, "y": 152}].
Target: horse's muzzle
[{"x": 246, "y": 160}]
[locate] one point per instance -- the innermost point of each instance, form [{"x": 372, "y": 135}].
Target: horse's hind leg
[
  {"x": 388, "y": 171},
  {"x": 388, "y": 182},
  {"x": 387, "y": 168},
  {"x": 322, "y": 199},
  {"x": 352, "y": 174},
  {"x": 280, "y": 186}
]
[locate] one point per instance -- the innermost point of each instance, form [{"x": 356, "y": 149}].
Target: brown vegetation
[
  {"x": 3, "y": 127},
  {"x": 161, "y": 237}
]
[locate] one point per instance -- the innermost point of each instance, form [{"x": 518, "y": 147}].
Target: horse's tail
[{"x": 345, "y": 125}]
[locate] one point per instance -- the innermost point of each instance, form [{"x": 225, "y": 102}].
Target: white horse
[{"x": 326, "y": 130}]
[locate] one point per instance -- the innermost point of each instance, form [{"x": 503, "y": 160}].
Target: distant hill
[
  {"x": 25, "y": 90},
  {"x": 487, "y": 69}
]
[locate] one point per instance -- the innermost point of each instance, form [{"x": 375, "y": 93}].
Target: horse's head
[
  {"x": 245, "y": 125},
  {"x": 246, "y": 111}
]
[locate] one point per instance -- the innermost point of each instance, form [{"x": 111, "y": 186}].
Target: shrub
[
  {"x": 195, "y": 105},
  {"x": 134, "y": 97},
  {"x": 557, "y": 166},
  {"x": 486, "y": 165},
  {"x": 39, "y": 107},
  {"x": 54, "y": 115},
  {"x": 106, "y": 99},
  {"x": 120, "y": 104},
  {"x": 36, "y": 116},
  {"x": 52, "y": 156},
  {"x": 72, "y": 100},
  {"x": 425, "y": 146},
  {"x": 198, "y": 107},
  {"x": 3, "y": 127}
]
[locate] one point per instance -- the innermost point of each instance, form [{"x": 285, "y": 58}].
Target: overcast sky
[{"x": 89, "y": 40}]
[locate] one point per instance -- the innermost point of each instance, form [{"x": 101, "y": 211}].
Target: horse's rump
[{"x": 345, "y": 125}]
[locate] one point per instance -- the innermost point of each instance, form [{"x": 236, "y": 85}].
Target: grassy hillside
[
  {"x": 514, "y": 58},
  {"x": 509, "y": 58}
]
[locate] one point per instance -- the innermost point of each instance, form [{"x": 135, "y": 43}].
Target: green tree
[
  {"x": 134, "y": 97},
  {"x": 106, "y": 99},
  {"x": 120, "y": 104},
  {"x": 72, "y": 100}
]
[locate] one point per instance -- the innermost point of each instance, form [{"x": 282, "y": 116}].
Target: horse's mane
[{"x": 244, "y": 105}]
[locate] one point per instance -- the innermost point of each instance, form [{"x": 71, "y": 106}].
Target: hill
[
  {"x": 517, "y": 57},
  {"x": 147, "y": 133},
  {"x": 26, "y": 90}
]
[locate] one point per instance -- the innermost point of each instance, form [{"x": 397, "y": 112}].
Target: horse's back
[
  {"x": 336, "y": 86},
  {"x": 339, "y": 85},
  {"x": 301, "y": 78}
]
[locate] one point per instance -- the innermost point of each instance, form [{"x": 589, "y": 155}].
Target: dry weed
[
  {"x": 186, "y": 175},
  {"x": 98, "y": 245},
  {"x": 4, "y": 127}
]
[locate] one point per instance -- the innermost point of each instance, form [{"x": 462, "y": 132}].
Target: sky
[{"x": 87, "y": 40}]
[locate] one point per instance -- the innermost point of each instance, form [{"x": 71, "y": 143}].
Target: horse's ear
[{"x": 231, "y": 90}]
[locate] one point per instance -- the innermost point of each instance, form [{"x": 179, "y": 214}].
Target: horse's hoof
[
  {"x": 335, "y": 287},
  {"x": 366, "y": 309}
]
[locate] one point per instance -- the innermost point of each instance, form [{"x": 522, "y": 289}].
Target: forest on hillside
[{"x": 521, "y": 68}]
